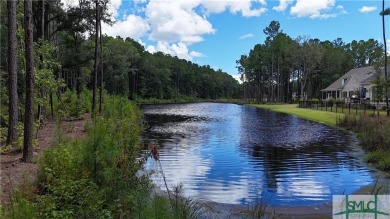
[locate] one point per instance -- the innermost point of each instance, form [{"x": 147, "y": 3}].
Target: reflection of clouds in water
[
  {"x": 185, "y": 165},
  {"x": 303, "y": 187},
  {"x": 225, "y": 192},
  {"x": 188, "y": 172},
  {"x": 179, "y": 166},
  {"x": 241, "y": 152}
]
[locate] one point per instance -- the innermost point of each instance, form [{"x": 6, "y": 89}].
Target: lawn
[{"x": 324, "y": 117}]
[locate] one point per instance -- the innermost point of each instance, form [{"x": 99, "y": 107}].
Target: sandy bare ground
[{"x": 14, "y": 173}]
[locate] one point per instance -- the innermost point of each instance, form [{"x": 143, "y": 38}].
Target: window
[
  {"x": 343, "y": 81},
  {"x": 345, "y": 93}
]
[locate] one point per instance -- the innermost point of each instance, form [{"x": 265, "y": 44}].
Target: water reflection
[{"x": 233, "y": 154}]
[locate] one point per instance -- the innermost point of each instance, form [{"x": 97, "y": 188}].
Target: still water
[{"x": 236, "y": 154}]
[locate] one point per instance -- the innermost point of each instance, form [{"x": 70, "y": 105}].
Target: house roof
[
  {"x": 358, "y": 74},
  {"x": 372, "y": 77}
]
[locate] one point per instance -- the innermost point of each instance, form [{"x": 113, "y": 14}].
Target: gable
[
  {"x": 355, "y": 77},
  {"x": 351, "y": 85}
]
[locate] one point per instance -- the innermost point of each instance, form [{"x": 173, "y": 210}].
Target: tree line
[
  {"x": 47, "y": 49},
  {"x": 282, "y": 68}
]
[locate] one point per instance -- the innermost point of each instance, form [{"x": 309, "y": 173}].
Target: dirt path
[{"x": 14, "y": 173}]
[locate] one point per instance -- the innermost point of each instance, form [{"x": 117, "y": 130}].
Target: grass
[
  {"x": 373, "y": 131},
  {"x": 381, "y": 159},
  {"x": 324, "y": 117}
]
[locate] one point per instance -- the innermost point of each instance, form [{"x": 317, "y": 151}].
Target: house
[{"x": 356, "y": 85}]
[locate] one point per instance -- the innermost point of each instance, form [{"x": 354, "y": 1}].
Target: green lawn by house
[{"x": 324, "y": 117}]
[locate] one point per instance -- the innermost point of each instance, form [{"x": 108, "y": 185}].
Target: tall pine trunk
[
  {"x": 101, "y": 69},
  {"x": 12, "y": 73},
  {"x": 29, "y": 105},
  {"x": 41, "y": 35},
  {"x": 385, "y": 43},
  {"x": 96, "y": 64}
]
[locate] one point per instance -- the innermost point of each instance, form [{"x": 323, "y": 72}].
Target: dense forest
[
  {"x": 71, "y": 50},
  {"x": 282, "y": 69},
  {"x": 49, "y": 53},
  {"x": 56, "y": 64}
]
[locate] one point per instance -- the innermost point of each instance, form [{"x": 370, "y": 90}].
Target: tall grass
[
  {"x": 94, "y": 177},
  {"x": 374, "y": 133}
]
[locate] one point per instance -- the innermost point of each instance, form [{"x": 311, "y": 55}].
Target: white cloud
[
  {"x": 313, "y": 9},
  {"x": 388, "y": 46},
  {"x": 246, "y": 36},
  {"x": 179, "y": 49},
  {"x": 175, "y": 25},
  {"x": 366, "y": 9},
  {"x": 173, "y": 21},
  {"x": 113, "y": 6},
  {"x": 245, "y": 7},
  {"x": 341, "y": 9},
  {"x": 283, "y": 4},
  {"x": 133, "y": 26},
  {"x": 238, "y": 78},
  {"x": 151, "y": 49},
  {"x": 196, "y": 54},
  {"x": 69, "y": 3}
]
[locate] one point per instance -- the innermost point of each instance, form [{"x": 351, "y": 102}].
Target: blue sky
[{"x": 218, "y": 32}]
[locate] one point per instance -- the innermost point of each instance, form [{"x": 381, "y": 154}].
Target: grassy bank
[
  {"x": 373, "y": 131},
  {"x": 99, "y": 176},
  {"x": 324, "y": 117},
  {"x": 96, "y": 177}
]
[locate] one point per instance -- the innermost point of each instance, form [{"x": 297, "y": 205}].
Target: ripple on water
[{"x": 234, "y": 154}]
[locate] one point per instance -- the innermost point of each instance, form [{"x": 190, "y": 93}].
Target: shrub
[
  {"x": 96, "y": 178},
  {"x": 331, "y": 101},
  {"x": 20, "y": 207},
  {"x": 72, "y": 106}
]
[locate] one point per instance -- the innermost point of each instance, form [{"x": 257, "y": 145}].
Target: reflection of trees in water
[
  {"x": 273, "y": 141},
  {"x": 326, "y": 156},
  {"x": 276, "y": 147}
]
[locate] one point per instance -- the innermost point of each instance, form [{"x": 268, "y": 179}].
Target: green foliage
[
  {"x": 375, "y": 137},
  {"x": 185, "y": 207},
  {"x": 20, "y": 208},
  {"x": 71, "y": 105},
  {"x": 68, "y": 192},
  {"x": 257, "y": 209},
  {"x": 331, "y": 101},
  {"x": 96, "y": 177},
  {"x": 380, "y": 158},
  {"x": 280, "y": 65},
  {"x": 19, "y": 141},
  {"x": 178, "y": 207}
]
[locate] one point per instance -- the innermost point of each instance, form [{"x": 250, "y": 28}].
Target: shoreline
[{"x": 322, "y": 210}]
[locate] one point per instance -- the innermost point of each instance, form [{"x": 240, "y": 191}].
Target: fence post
[
  {"x": 365, "y": 108},
  {"x": 356, "y": 108},
  {"x": 349, "y": 108}
]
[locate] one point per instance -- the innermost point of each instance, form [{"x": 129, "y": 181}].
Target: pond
[{"x": 238, "y": 154}]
